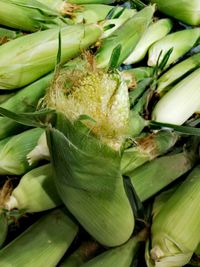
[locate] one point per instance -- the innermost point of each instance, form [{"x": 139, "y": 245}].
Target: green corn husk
[
  {"x": 159, "y": 173},
  {"x": 122, "y": 256},
  {"x": 180, "y": 41},
  {"x": 78, "y": 159},
  {"x": 6, "y": 35},
  {"x": 154, "y": 32},
  {"x": 27, "y": 58},
  {"x": 161, "y": 199},
  {"x": 136, "y": 75},
  {"x": 146, "y": 149},
  {"x": 82, "y": 2},
  {"x": 126, "y": 37},
  {"x": 187, "y": 94},
  {"x": 174, "y": 240},
  {"x": 83, "y": 253},
  {"x": 177, "y": 72},
  {"x": 25, "y": 100},
  {"x": 3, "y": 228},
  {"x": 39, "y": 152},
  {"x": 197, "y": 251},
  {"x": 13, "y": 154},
  {"x": 35, "y": 192},
  {"x": 46, "y": 241},
  {"x": 4, "y": 96},
  {"x": 93, "y": 13},
  {"x": 28, "y": 15},
  {"x": 186, "y": 11}
]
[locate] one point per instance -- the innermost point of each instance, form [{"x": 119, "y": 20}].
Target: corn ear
[
  {"x": 3, "y": 228},
  {"x": 153, "y": 176},
  {"x": 28, "y": 15},
  {"x": 187, "y": 94},
  {"x": 146, "y": 149},
  {"x": 120, "y": 256},
  {"x": 25, "y": 100},
  {"x": 46, "y": 240},
  {"x": 186, "y": 11},
  {"x": 92, "y": 13},
  {"x": 27, "y": 58},
  {"x": 181, "y": 42},
  {"x": 153, "y": 33},
  {"x": 35, "y": 191},
  {"x": 83, "y": 253},
  {"x": 90, "y": 186},
  {"x": 135, "y": 75},
  {"x": 126, "y": 36},
  {"x": 5, "y": 96},
  {"x": 175, "y": 230},
  {"x": 176, "y": 73},
  {"x": 13, "y": 153}
]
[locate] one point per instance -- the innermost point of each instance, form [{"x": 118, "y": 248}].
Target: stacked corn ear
[
  {"x": 124, "y": 38},
  {"x": 86, "y": 251},
  {"x": 91, "y": 13},
  {"x": 6, "y": 35},
  {"x": 88, "y": 179},
  {"x": 90, "y": 131},
  {"x": 135, "y": 75},
  {"x": 14, "y": 150},
  {"x": 187, "y": 94},
  {"x": 35, "y": 191},
  {"x": 146, "y": 149},
  {"x": 120, "y": 256},
  {"x": 28, "y": 15},
  {"x": 175, "y": 229},
  {"x": 176, "y": 73},
  {"x": 45, "y": 241},
  {"x": 157, "y": 174},
  {"x": 181, "y": 42},
  {"x": 25, "y": 100},
  {"x": 3, "y": 228},
  {"x": 183, "y": 10},
  {"x": 153, "y": 33},
  {"x": 27, "y": 58}
]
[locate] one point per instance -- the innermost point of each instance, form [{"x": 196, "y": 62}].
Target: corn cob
[
  {"x": 180, "y": 41},
  {"x": 35, "y": 191},
  {"x": 27, "y": 58},
  {"x": 45, "y": 242}
]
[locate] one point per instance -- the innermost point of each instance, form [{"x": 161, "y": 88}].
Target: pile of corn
[{"x": 99, "y": 133}]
